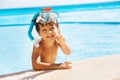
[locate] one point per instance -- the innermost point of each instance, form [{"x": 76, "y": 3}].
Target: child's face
[{"x": 49, "y": 33}]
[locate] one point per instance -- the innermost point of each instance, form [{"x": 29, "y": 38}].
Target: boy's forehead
[{"x": 47, "y": 26}]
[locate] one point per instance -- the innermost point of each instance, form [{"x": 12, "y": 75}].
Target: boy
[{"x": 44, "y": 56}]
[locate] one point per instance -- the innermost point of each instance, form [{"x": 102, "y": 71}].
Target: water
[{"x": 90, "y": 33}]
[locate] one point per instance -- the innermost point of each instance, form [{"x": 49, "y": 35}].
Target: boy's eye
[
  {"x": 51, "y": 29},
  {"x": 44, "y": 30}
]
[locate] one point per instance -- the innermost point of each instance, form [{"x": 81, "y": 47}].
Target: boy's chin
[{"x": 51, "y": 39}]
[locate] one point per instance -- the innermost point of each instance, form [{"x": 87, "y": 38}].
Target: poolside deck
[{"x": 101, "y": 68}]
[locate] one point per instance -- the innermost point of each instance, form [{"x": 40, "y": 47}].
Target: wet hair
[{"x": 42, "y": 23}]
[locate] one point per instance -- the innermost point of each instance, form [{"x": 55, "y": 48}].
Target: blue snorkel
[
  {"x": 42, "y": 13},
  {"x": 31, "y": 26}
]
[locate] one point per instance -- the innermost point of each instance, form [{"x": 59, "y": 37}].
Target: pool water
[{"x": 90, "y": 33}]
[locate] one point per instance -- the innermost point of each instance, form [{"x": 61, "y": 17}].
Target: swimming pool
[{"x": 90, "y": 31}]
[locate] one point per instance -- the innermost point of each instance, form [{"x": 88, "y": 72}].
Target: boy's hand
[
  {"x": 60, "y": 39},
  {"x": 65, "y": 65}
]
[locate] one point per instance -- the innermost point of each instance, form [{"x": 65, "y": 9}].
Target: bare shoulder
[{"x": 37, "y": 50}]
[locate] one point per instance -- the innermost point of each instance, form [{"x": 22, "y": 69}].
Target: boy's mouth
[{"x": 50, "y": 36}]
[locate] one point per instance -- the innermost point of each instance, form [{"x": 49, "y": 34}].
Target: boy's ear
[{"x": 39, "y": 34}]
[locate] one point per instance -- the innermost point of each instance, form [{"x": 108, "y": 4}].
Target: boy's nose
[{"x": 49, "y": 31}]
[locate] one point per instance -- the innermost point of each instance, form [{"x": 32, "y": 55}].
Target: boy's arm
[
  {"x": 65, "y": 47},
  {"x": 47, "y": 66},
  {"x": 61, "y": 41}
]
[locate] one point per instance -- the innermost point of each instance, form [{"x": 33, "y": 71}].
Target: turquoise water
[{"x": 90, "y": 33}]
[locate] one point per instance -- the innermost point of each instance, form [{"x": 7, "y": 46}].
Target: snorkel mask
[{"x": 45, "y": 14}]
